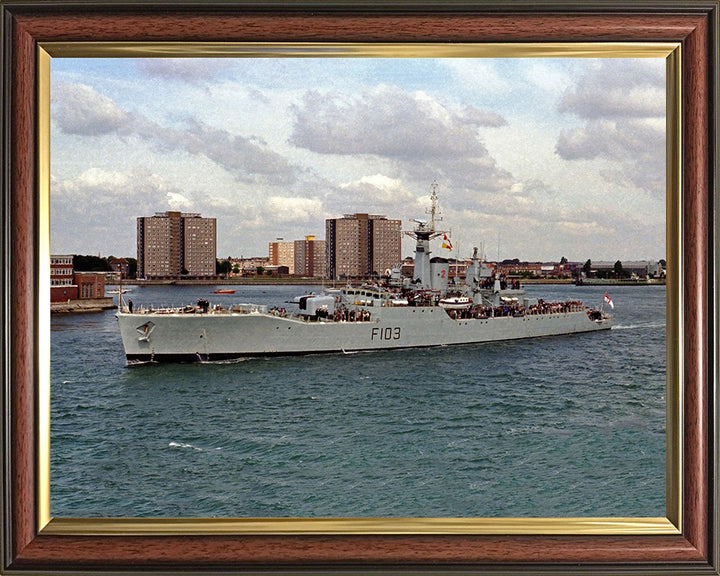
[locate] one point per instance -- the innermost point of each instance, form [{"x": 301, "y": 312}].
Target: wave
[
  {"x": 226, "y": 361},
  {"x": 184, "y": 445},
  {"x": 133, "y": 363},
  {"x": 180, "y": 445}
]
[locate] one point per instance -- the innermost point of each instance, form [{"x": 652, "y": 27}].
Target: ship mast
[
  {"x": 434, "y": 207},
  {"x": 424, "y": 232}
]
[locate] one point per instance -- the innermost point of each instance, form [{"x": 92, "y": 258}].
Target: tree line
[{"x": 88, "y": 263}]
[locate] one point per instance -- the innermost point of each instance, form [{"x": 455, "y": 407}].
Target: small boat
[
  {"x": 455, "y": 303},
  {"x": 224, "y": 291}
]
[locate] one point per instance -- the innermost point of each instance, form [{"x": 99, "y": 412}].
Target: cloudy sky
[{"x": 534, "y": 158}]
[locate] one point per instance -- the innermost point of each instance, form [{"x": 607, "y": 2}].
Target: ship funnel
[{"x": 439, "y": 274}]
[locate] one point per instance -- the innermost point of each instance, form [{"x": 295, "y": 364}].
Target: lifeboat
[{"x": 455, "y": 303}]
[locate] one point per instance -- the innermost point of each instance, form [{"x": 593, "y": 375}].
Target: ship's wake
[{"x": 638, "y": 326}]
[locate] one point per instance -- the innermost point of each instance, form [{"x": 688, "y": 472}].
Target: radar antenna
[{"x": 426, "y": 228}]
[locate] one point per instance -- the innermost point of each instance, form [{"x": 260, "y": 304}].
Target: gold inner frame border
[{"x": 671, "y": 524}]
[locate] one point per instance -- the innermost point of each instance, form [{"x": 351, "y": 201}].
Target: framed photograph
[{"x": 424, "y": 522}]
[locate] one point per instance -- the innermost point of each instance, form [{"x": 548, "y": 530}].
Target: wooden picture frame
[{"x": 31, "y": 544}]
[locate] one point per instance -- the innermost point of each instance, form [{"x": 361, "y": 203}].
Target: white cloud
[
  {"x": 472, "y": 115},
  {"x": 376, "y": 192},
  {"x": 618, "y": 89},
  {"x": 83, "y": 111},
  {"x": 100, "y": 207},
  {"x": 285, "y": 209},
  {"x": 385, "y": 121},
  {"x": 415, "y": 136},
  {"x": 622, "y": 104},
  {"x": 95, "y": 178},
  {"x": 178, "y": 201}
]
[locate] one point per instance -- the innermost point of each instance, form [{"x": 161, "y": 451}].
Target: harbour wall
[{"x": 85, "y": 305}]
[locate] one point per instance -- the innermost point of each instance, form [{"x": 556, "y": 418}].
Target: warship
[{"x": 431, "y": 308}]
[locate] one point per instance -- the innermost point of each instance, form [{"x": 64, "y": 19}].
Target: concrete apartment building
[
  {"x": 310, "y": 257},
  {"x": 176, "y": 244},
  {"x": 361, "y": 245},
  {"x": 282, "y": 253}
]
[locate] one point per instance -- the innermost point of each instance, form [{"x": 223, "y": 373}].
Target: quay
[{"x": 84, "y": 305}]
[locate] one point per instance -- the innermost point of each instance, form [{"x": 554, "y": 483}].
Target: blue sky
[{"x": 535, "y": 158}]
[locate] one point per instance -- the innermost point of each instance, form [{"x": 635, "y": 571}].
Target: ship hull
[{"x": 178, "y": 337}]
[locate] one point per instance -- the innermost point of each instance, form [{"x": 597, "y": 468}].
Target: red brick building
[{"x": 90, "y": 284}]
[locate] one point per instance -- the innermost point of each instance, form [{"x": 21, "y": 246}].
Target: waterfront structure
[
  {"x": 310, "y": 257},
  {"x": 62, "y": 278},
  {"x": 639, "y": 268},
  {"x": 67, "y": 285},
  {"x": 282, "y": 253},
  {"x": 174, "y": 244},
  {"x": 90, "y": 285},
  {"x": 361, "y": 245}
]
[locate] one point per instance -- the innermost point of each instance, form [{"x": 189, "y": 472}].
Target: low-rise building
[
  {"x": 90, "y": 285},
  {"x": 249, "y": 266},
  {"x": 75, "y": 291},
  {"x": 266, "y": 270},
  {"x": 121, "y": 266},
  {"x": 517, "y": 268},
  {"x": 62, "y": 279}
]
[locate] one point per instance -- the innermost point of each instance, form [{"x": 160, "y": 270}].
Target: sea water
[{"x": 559, "y": 426}]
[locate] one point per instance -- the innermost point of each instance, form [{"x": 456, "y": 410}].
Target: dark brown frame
[{"x": 692, "y": 23}]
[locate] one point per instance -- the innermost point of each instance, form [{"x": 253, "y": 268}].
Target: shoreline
[
  {"x": 329, "y": 284},
  {"x": 83, "y": 306}
]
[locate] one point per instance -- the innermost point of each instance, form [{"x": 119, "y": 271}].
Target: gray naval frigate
[{"x": 428, "y": 309}]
